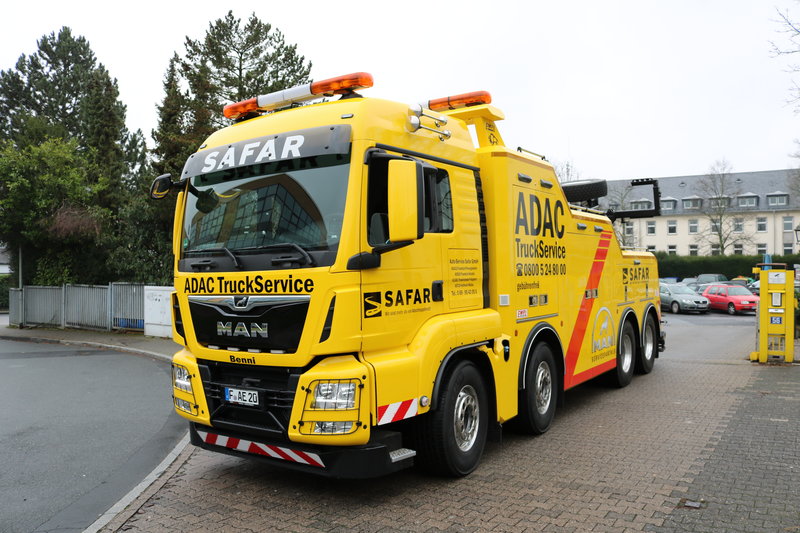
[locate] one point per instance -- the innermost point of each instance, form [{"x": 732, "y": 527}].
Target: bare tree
[
  {"x": 792, "y": 32},
  {"x": 617, "y": 199},
  {"x": 718, "y": 193},
  {"x": 791, "y": 47},
  {"x": 566, "y": 171}
]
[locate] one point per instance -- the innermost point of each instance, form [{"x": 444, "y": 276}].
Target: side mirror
[
  {"x": 406, "y": 208},
  {"x": 161, "y": 186}
]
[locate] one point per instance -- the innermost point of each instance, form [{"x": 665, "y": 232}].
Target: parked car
[
  {"x": 710, "y": 278},
  {"x": 686, "y": 281},
  {"x": 755, "y": 287},
  {"x": 680, "y": 298},
  {"x": 731, "y": 298}
]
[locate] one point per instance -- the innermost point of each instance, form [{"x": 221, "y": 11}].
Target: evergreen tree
[
  {"x": 171, "y": 146},
  {"x": 233, "y": 63}
]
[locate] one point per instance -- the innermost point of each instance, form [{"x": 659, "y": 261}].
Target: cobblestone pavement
[{"x": 704, "y": 427}]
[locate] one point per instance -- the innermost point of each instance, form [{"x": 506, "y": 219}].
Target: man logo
[
  {"x": 240, "y": 302},
  {"x": 603, "y": 331},
  {"x": 373, "y": 305}
]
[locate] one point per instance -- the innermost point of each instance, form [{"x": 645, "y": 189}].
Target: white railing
[{"x": 102, "y": 307}]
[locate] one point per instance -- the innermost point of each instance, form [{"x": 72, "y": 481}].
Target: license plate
[{"x": 241, "y": 396}]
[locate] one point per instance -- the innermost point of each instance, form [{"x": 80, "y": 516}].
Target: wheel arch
[
  {"x": 472, "y": 353},
  {"x": 543, "y": 332},
  {"x": 629, "y": 315}
]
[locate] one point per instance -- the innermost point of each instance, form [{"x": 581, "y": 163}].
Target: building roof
[{"x": 737, "y": 184}]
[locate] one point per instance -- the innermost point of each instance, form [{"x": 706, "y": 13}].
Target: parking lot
[{"x": 707, "y": 442}]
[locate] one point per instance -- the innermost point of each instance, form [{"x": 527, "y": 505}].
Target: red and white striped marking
[
  {"x": 397, "y": 411},
  {"x": 276, "y": 452}
]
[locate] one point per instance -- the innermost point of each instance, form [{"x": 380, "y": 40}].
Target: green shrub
[
  {"x": 681, "y": 266},
  {"x": 5, "y": 284}
]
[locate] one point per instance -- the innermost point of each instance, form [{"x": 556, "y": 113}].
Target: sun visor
[{"x": 309, "y": 142}]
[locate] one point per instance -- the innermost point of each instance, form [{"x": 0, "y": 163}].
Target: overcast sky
[{"x": 620, "y": 89}]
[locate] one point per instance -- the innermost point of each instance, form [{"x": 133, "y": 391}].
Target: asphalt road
[{"x": 79, "y": 428}]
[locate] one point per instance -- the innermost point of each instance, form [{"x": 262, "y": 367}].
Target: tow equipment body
[{"x": 359, "y": 287}]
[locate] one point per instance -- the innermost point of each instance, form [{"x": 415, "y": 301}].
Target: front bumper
[
  {"x": 695, "y": 306},
  {"x": 382, "y": 455}
]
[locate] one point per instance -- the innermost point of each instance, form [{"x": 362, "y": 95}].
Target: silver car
[{"x": 680, "y": 298}]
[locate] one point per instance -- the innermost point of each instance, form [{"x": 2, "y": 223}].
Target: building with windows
[
  {"x": 745, "y": 212},
  {"x": 5, "y": 260}
]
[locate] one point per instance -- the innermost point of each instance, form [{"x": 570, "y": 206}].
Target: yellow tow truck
[{"x": 359, "y": 287}]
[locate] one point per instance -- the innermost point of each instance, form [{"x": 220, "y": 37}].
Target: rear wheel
[
  {"x": 626, "y": 351},
  {"x": 455, "y": 433},
  {"x": 731, "y": 309},
  {"x": 647, "y": 355},
  {"x": 537, "y": 402}
]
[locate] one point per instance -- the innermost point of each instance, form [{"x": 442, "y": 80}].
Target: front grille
[
  {"x": 260, "y": 324},
  {"x": 275, "y": 386}
]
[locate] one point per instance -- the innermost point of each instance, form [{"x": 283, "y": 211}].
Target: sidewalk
[{"x": 133, "y": 342}]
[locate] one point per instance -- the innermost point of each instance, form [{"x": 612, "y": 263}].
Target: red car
[{"x": 731, "y": 298}]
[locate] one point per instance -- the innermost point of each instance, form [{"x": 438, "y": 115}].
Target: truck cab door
[{"x": 406, "y": 289}]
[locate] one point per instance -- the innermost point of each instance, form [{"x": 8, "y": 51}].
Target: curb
[{"x": 116, "y": 509}]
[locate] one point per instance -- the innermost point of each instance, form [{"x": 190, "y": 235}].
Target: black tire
[
  {"x": 455, "y": 433},
  {"x": 675, "y": 307},
  {"x": 583, "y": 190},
  {"x": 626, "y": 355},
  {"x": 649, "y": 348},
  {"x": 731, "y": 309},
  {"x": 537, "y": 401}
]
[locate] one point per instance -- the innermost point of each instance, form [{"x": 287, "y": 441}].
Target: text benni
[{"x": 248, "y": 285}]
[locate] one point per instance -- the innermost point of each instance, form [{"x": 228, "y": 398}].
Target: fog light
[
  {"x": 183, "y": 405},
  {"x": 333, "y": 395},
  {"x": 333, "y": 427},
  {"x": 181, "y": 379}
]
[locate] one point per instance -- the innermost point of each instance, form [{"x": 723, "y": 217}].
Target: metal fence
[
  {"x": 15, "y": 311},
  {"x": 103, "y": 307}
]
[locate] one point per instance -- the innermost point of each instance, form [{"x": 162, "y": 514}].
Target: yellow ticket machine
[{"x": 775, "y": 313}]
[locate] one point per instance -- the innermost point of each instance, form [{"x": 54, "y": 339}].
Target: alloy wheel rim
[
  {"x": 627, "y": 353},
  {"x": 465, "y": 421},
  {"x": 544, "y": 388}
]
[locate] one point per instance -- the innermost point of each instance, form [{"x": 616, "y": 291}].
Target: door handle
[{"x": 437, "y": 291}]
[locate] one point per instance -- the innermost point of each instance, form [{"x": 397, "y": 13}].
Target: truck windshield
[{"x": 293, "y": 206}]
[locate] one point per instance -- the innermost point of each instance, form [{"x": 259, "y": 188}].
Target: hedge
[
  {"x": 5, "y": 284},
  {"x": 681, "y": 266}
]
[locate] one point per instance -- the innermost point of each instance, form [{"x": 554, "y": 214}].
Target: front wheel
[
  {"x": 676, "y": 307},
  {"x": 455, "y": 433},
  {"x": 537, "y": 402},
  {"x": 731, "y": 309},
  {"x": 626, "y": 351}
]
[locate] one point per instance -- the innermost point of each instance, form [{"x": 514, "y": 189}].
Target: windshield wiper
[
  {"x": 223, "y": 249},
  {"x": 303, "y": 253}
]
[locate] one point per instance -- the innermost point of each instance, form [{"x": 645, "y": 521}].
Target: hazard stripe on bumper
[
  {"x": 394, "y": 412},
  {"x": 258, "y": 448}
]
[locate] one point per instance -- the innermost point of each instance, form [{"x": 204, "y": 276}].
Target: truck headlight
[
  {"x": 334, "y": 395},
  {"x": 183, "y": 405},
  {"x": 181, "y": 379},
  {"x": 332, "y": 427}
]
